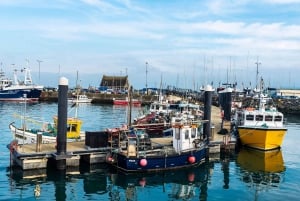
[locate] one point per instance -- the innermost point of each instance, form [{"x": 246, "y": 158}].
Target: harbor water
[{"x": 244, "y": 176}]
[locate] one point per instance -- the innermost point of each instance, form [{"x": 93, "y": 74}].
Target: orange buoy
[
  {"x": 143, "y": 162},
  {"x": 192, "y": 159}
]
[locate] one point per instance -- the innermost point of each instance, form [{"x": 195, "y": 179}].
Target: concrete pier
[{"x": 27, "y": 158}]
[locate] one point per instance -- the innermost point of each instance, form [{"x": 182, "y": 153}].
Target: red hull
[{"x": 125, "y": 102}]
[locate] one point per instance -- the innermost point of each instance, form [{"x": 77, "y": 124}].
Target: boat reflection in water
[
  {"x": 261, "y": 170},
  {"x": 98, "y": 182},
  {"x": 180, "y": 184}
]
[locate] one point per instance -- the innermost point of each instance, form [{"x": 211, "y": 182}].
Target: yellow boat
[
  {"x": 48, "y": 131},
  {"x": 262, "y": 138},
  {"x": 261, "y": 128}
]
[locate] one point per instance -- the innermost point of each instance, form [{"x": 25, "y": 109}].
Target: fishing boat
[
  {"x": 48, "y": 131},
  {"x": 30, "y": 129},
  {"x": 125, "y": 101},
  {"x": 261, "y": 128},
  {"x": 158, "y": 122},
  {"x": 80, "y": 99},
  {"x": 15, "y": 90},
  {"x": 137, "y": 152}
]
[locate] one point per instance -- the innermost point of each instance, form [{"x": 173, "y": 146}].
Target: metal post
[
  {"x": 207, "y": 111},
  {"x": 62, "y": 122},
  {"x": 227, "y": 104}
]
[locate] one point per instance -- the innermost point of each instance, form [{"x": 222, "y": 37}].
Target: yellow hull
[
  {"x": 261, "y": 161},
  {"x": 262, "y": 138}
]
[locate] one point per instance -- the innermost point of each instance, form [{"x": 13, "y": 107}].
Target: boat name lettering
[{"x": 132, "y": 161}]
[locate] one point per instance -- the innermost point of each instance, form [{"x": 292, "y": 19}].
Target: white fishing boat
[
  {"x": 30, "y": 129},
  {"x": 48, "y": 131},
  {"x": 80, "y": 99}
]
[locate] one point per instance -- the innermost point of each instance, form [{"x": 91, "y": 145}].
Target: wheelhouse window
[
  {"x": 194, "y": 132},
  {"x": 186, "y": 134},
  {"x": 177, "y": 133},
  {"x": 250, "y": 117},
  {"x": 278, "y": 118},
  {"x": 259, "y": 117},
  {"x": 268, "y": 118}
]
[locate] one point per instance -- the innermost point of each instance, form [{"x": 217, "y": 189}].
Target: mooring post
[
  {"x": 227, "y": 104},
  {"x": 61, "y": 146},
  {"x": 207, "y": 112},
  {"x": 39, "y": 139}
]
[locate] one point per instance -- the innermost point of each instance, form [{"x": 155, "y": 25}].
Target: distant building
[
  {"x": 114, "y": 83},
  {"x": 288, "y": 93}
]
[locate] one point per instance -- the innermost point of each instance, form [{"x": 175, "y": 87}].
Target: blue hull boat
[{"x": 140, "y": 153}]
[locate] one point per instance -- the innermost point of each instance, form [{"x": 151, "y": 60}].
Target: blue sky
[{"x": 186, "y": 43}]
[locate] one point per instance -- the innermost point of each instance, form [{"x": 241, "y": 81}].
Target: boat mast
[
  {"x": 77, "y": 95},
  {"x": 27, "y": 78},
  {"x": 160, "y": 96},
  {"x": 129, "y": 105},
  {"x": 257, "y": 63}
]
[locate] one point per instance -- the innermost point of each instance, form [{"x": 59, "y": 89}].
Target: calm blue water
[{"x": 222, "y": 180}]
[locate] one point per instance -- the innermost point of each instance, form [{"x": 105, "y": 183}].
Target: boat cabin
[
  {"x": 186, "y": 135},
  {"x": 160, "y": 107},
  {"x": 73, "y": 127},
  {"x": 252, "y": 117}
]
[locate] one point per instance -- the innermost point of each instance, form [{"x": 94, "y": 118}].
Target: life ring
[{"x": 13, "y": 146}]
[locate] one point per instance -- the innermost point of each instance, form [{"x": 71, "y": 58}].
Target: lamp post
[{"x": 39, "y": 61}]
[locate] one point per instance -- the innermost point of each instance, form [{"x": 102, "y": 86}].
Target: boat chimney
[
  {"x": 62, "y": 123},
  {"x": 207, "y": 111}
]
